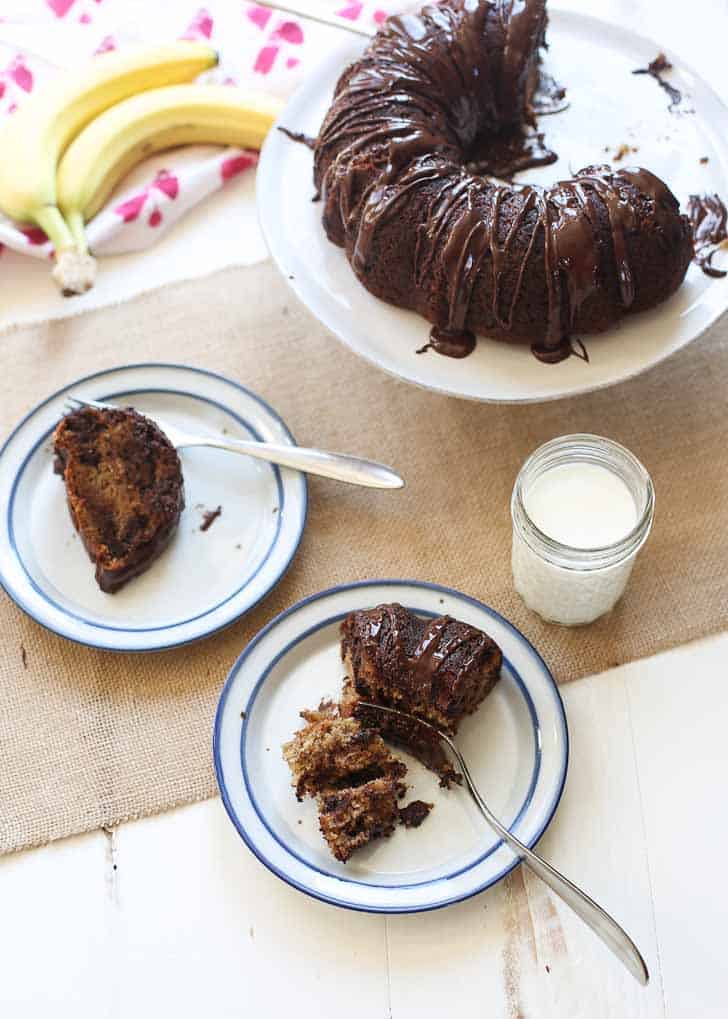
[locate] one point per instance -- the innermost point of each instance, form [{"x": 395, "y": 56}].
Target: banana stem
[
  {"x": 75, "y": 269},
  {"x": 77, "y": 227},
  {"x": 50, "y": 220}
]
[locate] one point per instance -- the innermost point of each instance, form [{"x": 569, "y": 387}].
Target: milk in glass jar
[{"x": 582, "y": 508}]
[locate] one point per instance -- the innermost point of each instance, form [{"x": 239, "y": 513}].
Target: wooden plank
[
  {"x": 207, "y": 930},
  {"x": 516, "y": 951},
  {"x": 679, "y": 707},
  {"x": 56, "y": 912},
  {"x": 190, "y": 923}
]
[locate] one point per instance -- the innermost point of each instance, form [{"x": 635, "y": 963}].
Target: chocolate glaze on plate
[
  {"x": 709, "y": 220},
  {"x": 655, "y": 69}
]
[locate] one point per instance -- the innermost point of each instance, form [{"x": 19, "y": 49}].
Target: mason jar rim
[{"x": 582, "y": 447}]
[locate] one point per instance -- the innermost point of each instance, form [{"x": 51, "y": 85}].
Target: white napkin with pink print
[{"x": 258, "y": 47}]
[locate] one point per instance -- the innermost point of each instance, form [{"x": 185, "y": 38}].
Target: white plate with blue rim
[
  {"x": 205, "y": 579},
  {"x": 609, "y": 107},
  {"x": 516, "y": 745}
]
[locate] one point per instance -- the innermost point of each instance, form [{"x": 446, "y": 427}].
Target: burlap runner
[{"x": 90, "y": 738}]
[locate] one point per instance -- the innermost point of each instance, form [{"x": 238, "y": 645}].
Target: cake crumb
[
  {"x": 660, "y": 63},
  {"x": 624, "y": 150},
  {"x": 209, "y": 517},
  {"x": 703, "y": 160},
  {"x": 242, "y": 715},
  {"x": 24, "y": 656},
  {"x": 414, "y": 813},
  {"x": 548, "y": 968}
]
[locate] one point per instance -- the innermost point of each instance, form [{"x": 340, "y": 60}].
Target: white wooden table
[{"x": 173, "y": 916}]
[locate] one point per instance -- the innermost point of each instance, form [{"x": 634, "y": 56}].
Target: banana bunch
[{"x": 69, "y": 145}]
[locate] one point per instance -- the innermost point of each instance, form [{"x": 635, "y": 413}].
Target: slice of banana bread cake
[
  {"x": 124, "y": 489},
  {"x": 355, "y": 780}
]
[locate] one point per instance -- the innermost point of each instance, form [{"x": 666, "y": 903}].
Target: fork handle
[
  {"x": 331, "y": 20},
  {"x": 352, "y": 469},
  {"x": 603, "y": 925}
]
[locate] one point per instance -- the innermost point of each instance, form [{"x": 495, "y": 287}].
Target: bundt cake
[
  {"x": 423, "y": 230},
  {"x": 123, "y": 486}
]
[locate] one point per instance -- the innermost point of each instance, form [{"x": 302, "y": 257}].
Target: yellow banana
[
  {"x": 33, "y": 139},
  {"x": 162, "y": 118}
]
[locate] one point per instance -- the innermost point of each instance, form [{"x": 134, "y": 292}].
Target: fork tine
[
  {"x": 174, "y": 434},
  {"x": 78, "y": 402}
]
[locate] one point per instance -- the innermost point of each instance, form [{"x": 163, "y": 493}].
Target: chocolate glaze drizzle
[
  {"x": 462, "y": 233},
  {"x": 299, "y": 136},
  {"x": 421, "y": 672},
  {"x": 549, "y": 97},
  {"x": 450, "y": 343},
  {"x": 655, "y": 69},
  {"x": 433, "y": 651},
  {"x": 396, "y": 143},
  {"x": 709, "y": 220}
]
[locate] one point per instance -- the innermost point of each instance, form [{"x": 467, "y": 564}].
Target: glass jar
[{"x": 563, "y": 583}]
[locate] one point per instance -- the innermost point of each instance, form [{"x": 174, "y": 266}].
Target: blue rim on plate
[
  {"x": 235, "y": 783},
  {"x": 144, "y": 377},
  {"x": 254, "y": 434},
  {"x": 261, "y": 814}
]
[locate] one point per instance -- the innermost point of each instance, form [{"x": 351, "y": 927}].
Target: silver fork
[
  {"x": 339, "y": 466},
  {"x": 606, "y": 928}
]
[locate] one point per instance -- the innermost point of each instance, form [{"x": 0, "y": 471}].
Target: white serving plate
[
  {"x": 609, "y": 106},
  {"x": 204, "y": 580},
  {"x": 516, "y": 746}
]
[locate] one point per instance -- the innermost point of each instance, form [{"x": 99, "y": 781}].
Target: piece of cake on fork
[{"x": 436, "y": 669}]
